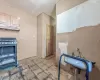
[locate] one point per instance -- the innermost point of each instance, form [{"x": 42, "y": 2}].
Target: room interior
[{"x": 49, "y": 40}]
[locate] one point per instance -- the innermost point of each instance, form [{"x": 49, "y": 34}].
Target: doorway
[{"x": 49, "y": 40}]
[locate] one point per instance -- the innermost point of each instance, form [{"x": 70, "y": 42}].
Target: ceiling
[{"x": 34, "y": 6}]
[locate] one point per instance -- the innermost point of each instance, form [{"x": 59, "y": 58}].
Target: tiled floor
[{"x": 35, "y": 68}]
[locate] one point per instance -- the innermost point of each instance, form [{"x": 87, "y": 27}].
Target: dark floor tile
[
  {"x": 42, "y": 76},
  {"x": 35, "y": 68}
]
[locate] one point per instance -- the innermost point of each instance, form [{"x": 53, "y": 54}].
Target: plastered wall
[
  {"x": 85, "y": 37},
  {"x": 63, "y": 5},
  {"x": 27, "y": 36},
  {"x": 85, "y": 14},
  {"x": 43, "y": 20},
  {"x": 88, "y": 40},
  {"x": 39, "y": 34}
]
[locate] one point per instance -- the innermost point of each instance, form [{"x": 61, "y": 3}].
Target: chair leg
[{"x": 20, "y": 72}]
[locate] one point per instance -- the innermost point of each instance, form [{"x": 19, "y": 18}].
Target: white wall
[{"x": 85, "y": 14}]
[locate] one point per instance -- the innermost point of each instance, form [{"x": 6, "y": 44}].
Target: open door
[{"x": 49, "y": 40}]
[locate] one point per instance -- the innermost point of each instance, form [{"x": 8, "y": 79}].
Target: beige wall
[
  {"x": 88, "y": 41},
  {"x": 53, "y": 14},
  {"x": 85, "y": 38},
  {"x": 43, "y": 20},
  {"x": 63, "y": 5},
  {"x": 48, "y": 20},
  {"x": 27, "y": 36},
  {"x": 39, "y": 34}
]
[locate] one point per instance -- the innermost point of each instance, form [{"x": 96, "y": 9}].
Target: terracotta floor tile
[{"x": 36, "y": 68}]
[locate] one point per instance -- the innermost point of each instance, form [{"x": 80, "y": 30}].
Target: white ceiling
[{"x": 34, "y": 6}]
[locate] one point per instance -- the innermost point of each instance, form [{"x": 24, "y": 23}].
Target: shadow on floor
[{"x": 95, "y": 74}]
